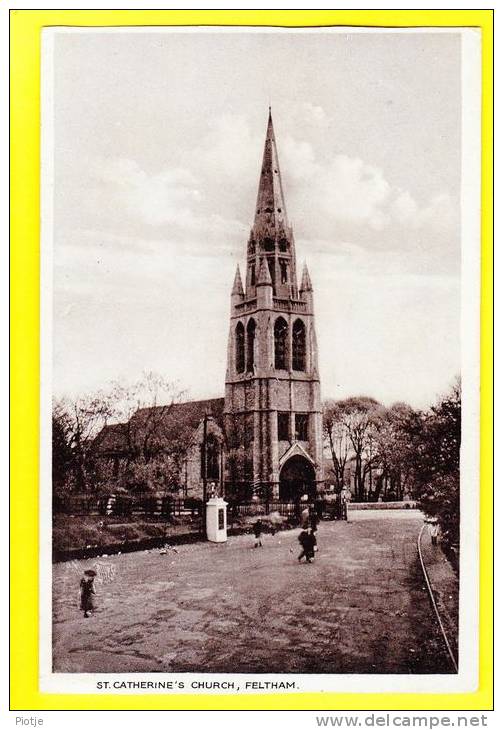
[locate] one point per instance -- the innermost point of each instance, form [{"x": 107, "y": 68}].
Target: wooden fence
[{"x": 151, "y": 505}]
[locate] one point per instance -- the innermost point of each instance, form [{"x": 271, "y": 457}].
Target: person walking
[
  {"x": 307, "y": 540},
  {"x": 345, "y": 499},
  {"x": 304, "y": 518},
  {"x": 258, "y": 528},
  {"x": 87, "y": 591}
]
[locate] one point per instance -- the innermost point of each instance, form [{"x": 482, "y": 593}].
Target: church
[{"x": 265, "y": 437}]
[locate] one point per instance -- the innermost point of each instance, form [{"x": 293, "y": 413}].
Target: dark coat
[
  {"x": 308, "y": 541},
  {"x": 258, "y": 528},
  {"x": 86, "y": 595}
]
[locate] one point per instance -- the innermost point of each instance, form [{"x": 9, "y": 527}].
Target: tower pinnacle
[
  {"x": 305, "y": 284},
  {"x": 264, "y": 276},
  {"x": 238, "y": 284}
]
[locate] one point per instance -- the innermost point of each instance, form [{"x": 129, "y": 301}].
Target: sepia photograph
[{"x": 260, "y": 366}]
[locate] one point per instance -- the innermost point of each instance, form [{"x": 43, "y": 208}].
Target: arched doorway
[{"x": 296, "y": 478}]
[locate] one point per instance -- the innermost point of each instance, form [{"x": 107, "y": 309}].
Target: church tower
[{"x": 272, "y": 392}]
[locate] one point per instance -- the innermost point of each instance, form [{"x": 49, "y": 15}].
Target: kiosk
[{"x": 216, "y": 519}]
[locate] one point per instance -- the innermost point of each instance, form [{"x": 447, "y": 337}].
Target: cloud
[
  {"x": 311, "y": 114},
  {"x": 202, "y": 205},
  {"x": 227, "y": 150},
  {"x": 167, "y": 196},
  {"x": 123, "y": 201},
  {"x": 440, "y": 211},
  {"x": 348, "y": 190},
  {"x": 404, "y": 208}
]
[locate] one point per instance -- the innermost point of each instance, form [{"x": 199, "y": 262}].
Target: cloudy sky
[{"x": 158, "y": 140}]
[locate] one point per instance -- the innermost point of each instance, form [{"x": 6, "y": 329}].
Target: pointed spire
[
  {"x": 270, "y": 211},
  {"x": 264, "y": 276},
  {"x": 305, "y": 284},
  {"x": 238, "y": 284}
]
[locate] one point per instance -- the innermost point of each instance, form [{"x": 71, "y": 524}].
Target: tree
[
  {"x": 138, "y": 412},
  {"x": 393, "y": 443},
  {"x": 358, "y": 417},
  {"x": 375, "y": 439},
  {"x": 152, "y": 448},
  {"x": 143, "y": 408},
  {"x": 336, "y": 435},
  {"x": 434, "y": 458},
  {"x": 75, "y": 426},
  {"x": 62, "y": 455}
]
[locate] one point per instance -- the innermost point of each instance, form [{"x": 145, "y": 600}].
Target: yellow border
[{"x": 25, "y": 156}]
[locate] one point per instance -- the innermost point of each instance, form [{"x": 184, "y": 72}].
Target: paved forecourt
[{"x": 360, "y": 607}]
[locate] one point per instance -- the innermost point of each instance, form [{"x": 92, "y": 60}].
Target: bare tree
[
  {"x": 81, "y": 420},
  {"x": 358, "y": 417},
  {"x": 393, "y": 444},
  {"x": 153, "y": 447},
  {"x": 336, "y": 435},
  {"x": 138, "y": 414},
  {"x": 143, "y": 408}
]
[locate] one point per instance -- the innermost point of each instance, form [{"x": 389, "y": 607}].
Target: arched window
[
  {"x": 240, "y": 347},
  {"x": 280, "y": 343},
  {"x": 299, "y": 345},
  {"x": 250, "y": 345}
]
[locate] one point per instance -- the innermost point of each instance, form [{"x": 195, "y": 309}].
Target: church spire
[
  {"x": 270, "y": 211},
  {"x": 271, "y": 236}
]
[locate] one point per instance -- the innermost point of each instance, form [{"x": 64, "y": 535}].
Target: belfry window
[
  {"x": 299, "y": 345},
  {"x": 268, "y": 244},
  {"x": 283, "y": 244},
  {"x": 283, "y": 267},
  {"x": 250, "y": 345},
  {"x": 283, "y": 427},
  {"x": 240, "y": 347},
  {"x": 252, "y": 274},
  {"x": 301, "y": 426},
  {"x": 280, "y": 343},
  {"x": 272, "y": 270}
]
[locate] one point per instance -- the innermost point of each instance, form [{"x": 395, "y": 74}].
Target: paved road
[{"x": 360, "y": 607}]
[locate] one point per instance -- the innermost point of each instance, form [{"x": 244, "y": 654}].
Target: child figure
[
  {"x": 87, "y": 591},
  {"x": 257, "y": 531},
  {"x": 434, "y": 531},
  {"x": 308, "y": 542}
]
